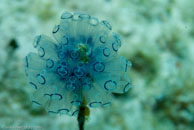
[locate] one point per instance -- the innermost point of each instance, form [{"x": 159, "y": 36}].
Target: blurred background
[{"x": 158, "y": 38}]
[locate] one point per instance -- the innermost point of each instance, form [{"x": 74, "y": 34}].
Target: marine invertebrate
[{"x": 82, "y": 65}]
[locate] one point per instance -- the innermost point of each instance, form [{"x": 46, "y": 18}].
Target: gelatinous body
[{"x": 80, "y": 64}]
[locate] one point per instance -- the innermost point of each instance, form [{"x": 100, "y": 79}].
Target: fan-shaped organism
[{"x": 81, "y": 64}]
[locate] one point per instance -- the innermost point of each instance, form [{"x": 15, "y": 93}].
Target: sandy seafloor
[{"x": 158, "y": 38}]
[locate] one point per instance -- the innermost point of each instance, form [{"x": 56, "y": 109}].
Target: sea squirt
[{"x": 81, "y": 64}]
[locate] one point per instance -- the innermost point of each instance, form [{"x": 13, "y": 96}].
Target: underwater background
[{"x": 158, "y": 38}]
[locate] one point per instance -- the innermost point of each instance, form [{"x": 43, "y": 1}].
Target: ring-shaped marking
[
  {"x": 63, "y": 111},
  {"x": 64, "y": 40},
  {"x": 79, "y": 72},
  {"x": 41, "y": 79},
  {"x": 106, "y": 104},
  {"x": 115, "y": 46},
  {"x": 74, "y": 54},
  {"x": 107, "y": 24},
  {"x": 58, "y": 95},
  {"x": 127, "y": 87},
  {"x": 70, "y": 86},
  {"x": 56, "y": 29},
  {"x": 41, "y": 52},
  {"x": 75, "y": 113},
  {"x": 86, "y": 86},
  {"x": 36, "y": 103},
  {"x": 52, "y": 112},
  {"x": 62, "y": 71},
  {"x": 36, "y": 41},
  {"x": 33, "y": 85},
  {"x": 99, "y": 67},
  {"x": 84, "y": 16},
  {"x": 76, "y": 103},
  {"x": 95, "y": 104},
  {"x": 49, "y": 63},
  {"x": 93, "y": 21},
  {"x": 61, "y": 54},
  {"x": 27, "y": 64},
  {"x": 106, "y": 52},
  {"x": 66, "y": 15},
  {"x": 113, "y": 85},
  {"x": 102, "y": 39}
]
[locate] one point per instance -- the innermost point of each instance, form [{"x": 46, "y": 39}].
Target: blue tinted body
[{"x": 80, "y": 64}]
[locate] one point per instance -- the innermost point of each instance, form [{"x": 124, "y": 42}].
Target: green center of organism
[{"x": 84, "y": 53}]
